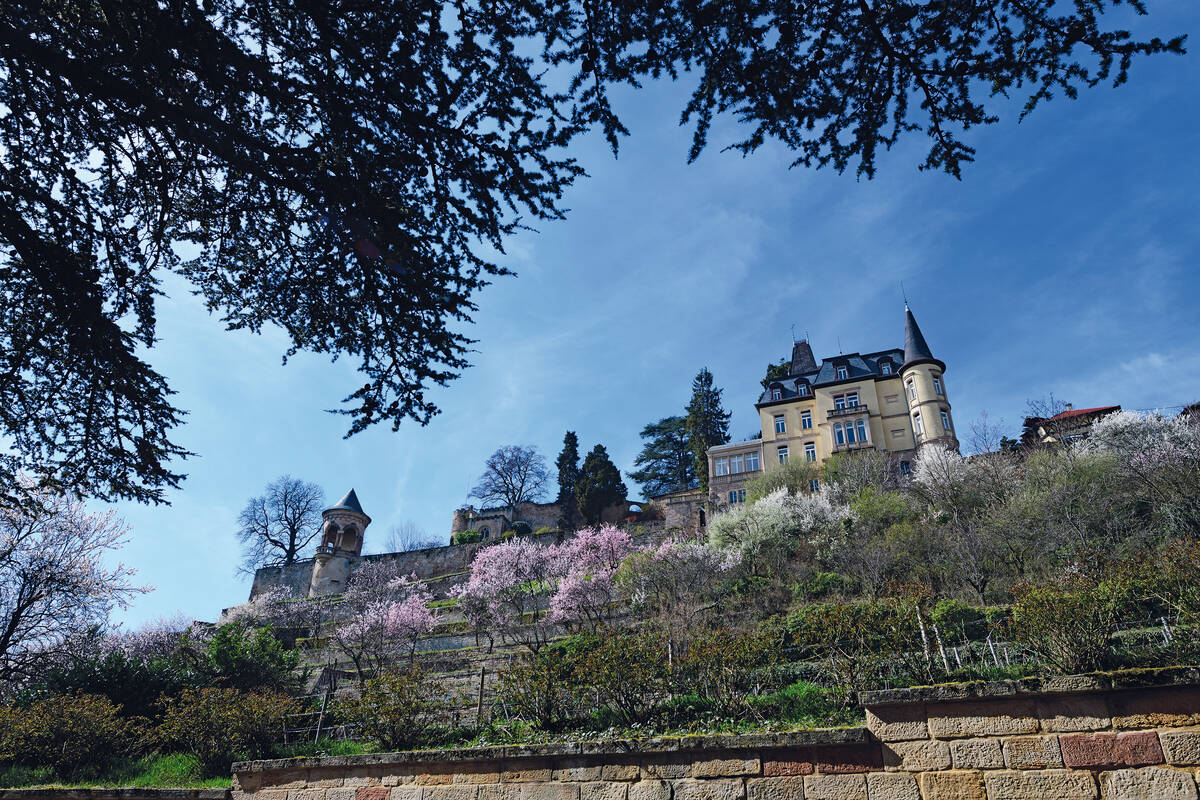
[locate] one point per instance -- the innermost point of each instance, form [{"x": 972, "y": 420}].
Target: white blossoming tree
[{"x": 55, "y": 578}]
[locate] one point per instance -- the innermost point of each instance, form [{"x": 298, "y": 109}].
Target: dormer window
[
  {"x": 842, "y": 373},
  {"x": 885, "y": 368},
  {"x": 777, "y": 394},
  {"x": 801, "y": 389}
]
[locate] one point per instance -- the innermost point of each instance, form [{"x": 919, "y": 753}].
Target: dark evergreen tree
[
  {"x": 666, "y": 463},
  {"x": 343, "y": 172},
  {"x": 568, "y": 475},
  {"x": 776, "y": 372},
  {"x": 707, "y": 423},
  {"x": 599, "y": 485}
]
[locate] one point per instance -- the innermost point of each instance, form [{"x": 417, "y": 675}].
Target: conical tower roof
[
  {"x": 348, "y": 503},
  {"x": 915, "y": 347}
]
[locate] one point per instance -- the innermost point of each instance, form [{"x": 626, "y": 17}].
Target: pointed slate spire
[
  {"x": 915, "y": 348},
  {"x": 348, "y": 503}
]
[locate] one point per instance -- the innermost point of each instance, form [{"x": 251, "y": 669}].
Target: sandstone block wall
[{"x": 1095, "y": 738}]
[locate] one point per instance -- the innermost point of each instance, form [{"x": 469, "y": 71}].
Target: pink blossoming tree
[{"x": 585, "y": 594}]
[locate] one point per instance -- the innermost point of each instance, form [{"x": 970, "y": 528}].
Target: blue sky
[{"x": 1066, "y": 261}]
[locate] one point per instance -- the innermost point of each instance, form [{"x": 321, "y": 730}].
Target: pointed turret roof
[
  {"x": 348, "y": 503},
  {"x": 915, "y": 348}
]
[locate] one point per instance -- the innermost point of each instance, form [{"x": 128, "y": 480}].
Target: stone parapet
[{"x": 1120, "y": 736}]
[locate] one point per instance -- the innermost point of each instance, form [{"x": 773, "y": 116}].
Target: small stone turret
[{"x": 342, "y": 529}]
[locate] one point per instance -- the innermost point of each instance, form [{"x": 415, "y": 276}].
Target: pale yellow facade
[{"x": 893, "y": 400}]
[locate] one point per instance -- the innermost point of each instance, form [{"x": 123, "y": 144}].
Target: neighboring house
[
  {"x": 1068, "y": 425},
  {"x": 894, "y": 400}
]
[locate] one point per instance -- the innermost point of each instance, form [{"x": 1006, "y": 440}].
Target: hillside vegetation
[{"x": 1070, "y": 558}]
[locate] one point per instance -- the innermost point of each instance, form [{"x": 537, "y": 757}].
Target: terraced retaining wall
[{"x": 1132, "y": 736}]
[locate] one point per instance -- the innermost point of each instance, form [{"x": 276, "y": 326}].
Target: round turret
[
  {"x": 924, "y": 382},
  {"x": 342, "y": 529}
]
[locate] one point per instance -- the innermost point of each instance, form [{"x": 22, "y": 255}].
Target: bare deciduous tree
[
  {"x": 409, "y": 536},
  {"x": 513, "y": 474},
  {"x": 278, "y": 526},
  {"x": 54, "y": 579}
]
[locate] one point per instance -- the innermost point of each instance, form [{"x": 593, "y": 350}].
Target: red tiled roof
[{"x": 1078, "y": 412}]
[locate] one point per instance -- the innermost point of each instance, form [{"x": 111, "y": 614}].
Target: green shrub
[
  {"x": 392, "y": 708},
  {"x": 132, "y": 683},
  {"x": 1068, "y": 623},
  {"x": 720, "y": 665},
  {"x": 241, "y": 656},
  {"x": 798, "y": 702},
  {"x": 863, "y": 643},
  {"x": 544, "y": 530},
  {"x": 219, "y": 725},
  {"x": 75, "y": 735},
  {"x": 958, "y": 622},
  {"x": 624, "y": 671},
  {"x": 820, "y": 585},
  {"x": 469, "y": 536},
  {"x": 540, "y": 688}
]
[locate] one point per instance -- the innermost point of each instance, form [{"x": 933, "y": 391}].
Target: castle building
[{"x": 893, "y": 400}]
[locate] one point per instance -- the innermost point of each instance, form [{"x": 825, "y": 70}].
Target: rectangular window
[
  {"x": 842, "y": 373},
  {"x": 885, "y": 368},
  {"x": 905, "y": 468},
  {"x": 861, "y": 425},
  {"x": 780, "y": 424},
  {"x": 751, "y": 462},
  {"x": 937, "y": 385},
  {"x": 810, "y": 452},
  {"x": 737, "y": 464},
  {"x": 741, "y": 495},
  {"x": 776, "y": 394},
  {"x": 850, "y": 438},
  {"x": 732, "y": 498},
  {"x": 783, "y": 455},
  {"x": 912, "y": 389},
  {"x": 802, "y": 390},
  {"x": 721, "y": 466},
  {"x": 945, "y": 422},
  {"x": 917, "y": 426},
  {"x": 814, "y": 485},
  {"x": 838, "y": 435},
  {"x": 848, "y": 400},
  {"x": 806, "y": 420}
]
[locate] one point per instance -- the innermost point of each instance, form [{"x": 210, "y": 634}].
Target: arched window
[{"x": 485, "y": 533}]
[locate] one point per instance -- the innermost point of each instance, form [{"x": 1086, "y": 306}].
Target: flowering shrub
[
  {"x": 504, "y": 589},
  {"x": 217, "y": 726},
  {"x": 677, "y": 583},
  {"x": 73, "y": 734},
  {"x": 585, "y": 594}
]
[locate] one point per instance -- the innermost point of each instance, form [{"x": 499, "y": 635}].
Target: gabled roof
[
  {"x": 348, "y": 503},
  {"x": 1080, "y": 412},
  {"x": 858, "y": 365}
]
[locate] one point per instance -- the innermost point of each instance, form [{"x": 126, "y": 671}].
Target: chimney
[{"x": 802, "y": 358}]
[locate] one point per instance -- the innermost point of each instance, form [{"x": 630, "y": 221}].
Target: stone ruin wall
[{"x": 1089, "y": 738}]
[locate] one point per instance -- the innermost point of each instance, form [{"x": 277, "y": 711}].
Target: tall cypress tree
[
  {"x": 707, "y": 422},
  {"x": 568, "y": 476},
  {"x": 599, "y": 485}
]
